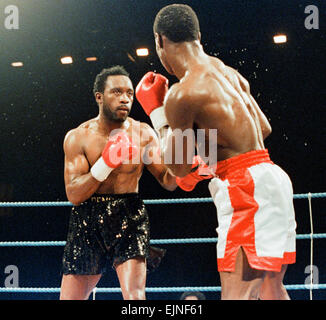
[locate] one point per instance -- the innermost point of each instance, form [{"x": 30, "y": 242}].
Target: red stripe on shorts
[{"x": 242, "y": 227}]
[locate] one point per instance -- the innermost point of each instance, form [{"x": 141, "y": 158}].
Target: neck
[
  {"x": 106, "y": 125},
  {"x": 184, "y": 56}
]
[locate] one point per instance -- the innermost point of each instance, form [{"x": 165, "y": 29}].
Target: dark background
[{"x": 40, "y": 102}]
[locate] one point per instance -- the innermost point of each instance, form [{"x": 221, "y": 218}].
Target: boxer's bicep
[
  {"x": 153, "y": 161},
  {"x": 181, "y": 143},
  {"x": 179, "y": 111},
  {"x": 75, "y": 162}
]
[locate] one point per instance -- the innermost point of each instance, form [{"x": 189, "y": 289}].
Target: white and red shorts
[{"x": 254, "y": 201}]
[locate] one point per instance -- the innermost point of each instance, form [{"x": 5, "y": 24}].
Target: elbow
[
  {"x": 180, "y": 170},
  {"x": 73, "y": 198},
  {"x": 74, "y": 201},
  {"x": 170, "y": 187},
  {"x": 168, "y": 181}
]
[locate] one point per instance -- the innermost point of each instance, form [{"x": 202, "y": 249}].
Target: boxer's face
[{"x": 117, "y": 98}]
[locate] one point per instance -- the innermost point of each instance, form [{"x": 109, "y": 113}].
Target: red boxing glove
[
  {"x": 199, "y": 171},
  {"x": 150, "y": 93},
  {"x": 118, "y": 149}
]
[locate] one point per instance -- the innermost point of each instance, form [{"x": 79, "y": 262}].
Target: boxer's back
[{"x": 225, "y": 104}]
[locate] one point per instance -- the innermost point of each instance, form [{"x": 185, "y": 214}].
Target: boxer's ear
[
  {"x": 199, "y": 36},
  {"x": 99, "y": 97},
  {"x": 159, "y": 40}
]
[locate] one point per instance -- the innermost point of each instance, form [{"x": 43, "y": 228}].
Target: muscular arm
[
  {"x": 153, "y": 162},
  {"x": 79, "y": 183},
  {"x": 180, "y": 145}
]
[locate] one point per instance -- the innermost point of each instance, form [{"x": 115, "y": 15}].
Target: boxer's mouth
[{"x": 123, "y": 108}]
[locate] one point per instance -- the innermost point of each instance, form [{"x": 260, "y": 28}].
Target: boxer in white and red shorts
[
  {"x": 254, "y": 201},
  {"x": 253, "y": 196}
]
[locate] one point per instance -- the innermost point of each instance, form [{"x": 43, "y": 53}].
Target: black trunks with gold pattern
[{"x": 109, "y": 228}]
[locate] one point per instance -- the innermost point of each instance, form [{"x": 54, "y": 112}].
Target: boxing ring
[{"x": 310, "y": 236}]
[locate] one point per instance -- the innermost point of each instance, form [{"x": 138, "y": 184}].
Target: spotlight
[
  {"x": 280, "y": 38},
  {"x": 91, "y": 59},
  {"x": 142, "y": 52},
  {"x": 66, "y": 60},
  {"x": 17, "y": 64}
]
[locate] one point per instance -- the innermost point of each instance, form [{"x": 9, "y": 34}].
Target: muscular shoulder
[
  {"x": 141, "y": 131},
  {"x": 181, "y": 105},
  {"x": 72, "y": 140},
  {"x": 195, "y": 90},
  {"x": 189, "y": 90},
  {"x": 75, "y": 138},
  {"x": 147, "y": 132},
  {"x": 181, "y": 99},
  {"x": 145, "y": 126},
  {"x": 141, "y": 127},
  {"x": 237, "y": 79},
  {"x": 82, "y": 130}
]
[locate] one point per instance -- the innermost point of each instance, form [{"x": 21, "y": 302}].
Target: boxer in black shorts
[
  {"x": 107, "y": 229},
  {"x": 104, "y": 160}
]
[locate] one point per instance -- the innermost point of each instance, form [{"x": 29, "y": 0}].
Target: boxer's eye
[{"x": 116, "y": 91}]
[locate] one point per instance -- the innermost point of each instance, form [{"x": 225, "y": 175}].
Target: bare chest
[{"x": 93, "y": 148}]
